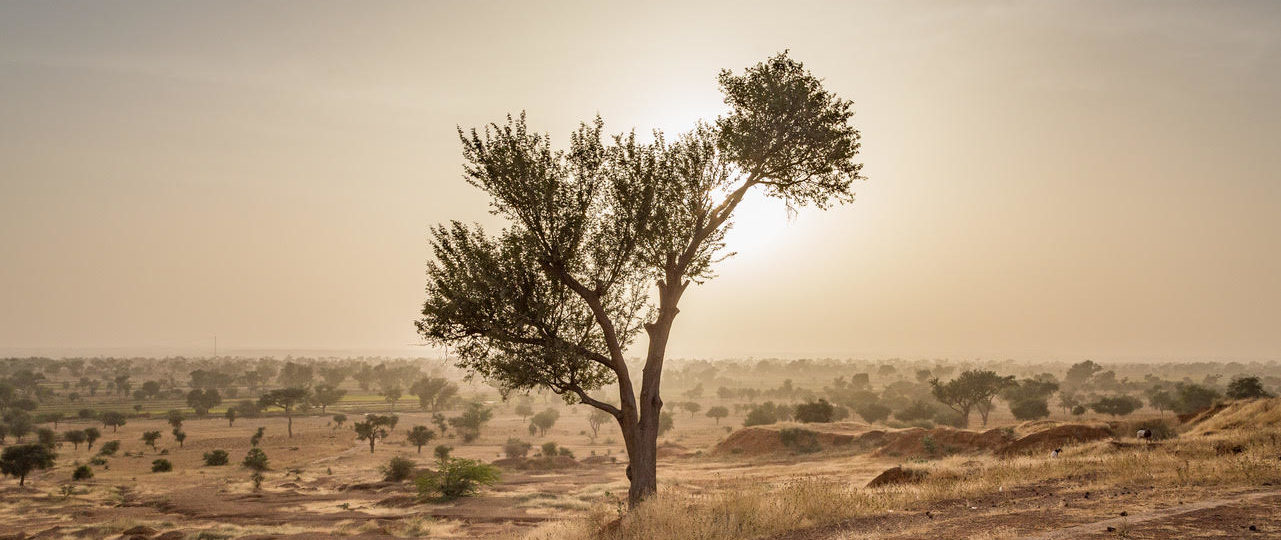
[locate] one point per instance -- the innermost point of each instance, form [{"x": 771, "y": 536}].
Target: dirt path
[{"x": 1143, "y": 517}]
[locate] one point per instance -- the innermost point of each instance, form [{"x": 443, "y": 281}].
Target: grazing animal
[
  {"x": 1056, "y": 452},
  {"x": 1144, "y": 435}
]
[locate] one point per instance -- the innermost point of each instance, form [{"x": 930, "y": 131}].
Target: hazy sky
[{"x": 1045, "y": 180}]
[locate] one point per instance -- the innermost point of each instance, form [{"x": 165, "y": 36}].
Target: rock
[
  {"x": 897, "y": 475},
  {"x": 141, "y": 530}
]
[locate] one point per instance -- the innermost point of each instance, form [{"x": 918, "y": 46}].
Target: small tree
[
  {"x": 873, "y": 412},
  {"x": 180, "y": 436},
  {"x": 434, "y": 393},
  {"x": 112, "y": 419},
  {"x": 287, "y": 399},
  {"x": 596, "y": 420},
  {"x": 230, "y": 415},
  {"x": 339, "y": 420},
  {"x": 516, "y": 448},
  {"x": 1194, "y": 397},
  {"x": 1030, "y": 409},
  {"x": 1247, "y": 388},
  {"x": 473, "y": 418},
  {"x": 375, "y": 428},
  {"x": 691, "y": 407},
  {"x": 75, "y": 437},
  {"x": 420, "y": 436},
  {"x": 175, "y": 419},
  {"x": 398, "y": 469},
  {"x": 18, "y": 461},
  {"x": 92, "y": 435},
  {"x": 256, "y": 461},
  {"x": 1116, "y": 405},
  {"x": 257, "y": 436},
  {"x": 325, "y": 395},
  {"x": 524, "y": 410},
  {"x": 815, "y": 412},
  {"x": 201, "y": 400},
  {"x": 161, "y": 465},
  {"x": 392, "y": 394},
  {"x": 150, "y": 437},
  {"x": 215, "y": 457},
  {"x": 545, "y": 420},
  {"x": 718, "y": 412},
  {"x": 971, "y": 390},
  {"x": 83, "y": 472},
  {"x": 109, "y": 448},
  {"x": 456, "y": 478}
]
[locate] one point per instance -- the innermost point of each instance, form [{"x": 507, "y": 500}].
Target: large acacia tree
[{"x": 605, "y": 237}]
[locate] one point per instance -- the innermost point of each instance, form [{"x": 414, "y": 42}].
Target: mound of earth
[
  {"x": 1251, "y": 413},
  {"x": 941, "y": 441},
  {"x": 897, "y": 475},
  {"x": 599, "y": 460},
  {"x": 538, "y": 463},
  {"x": 668, "y": 449},
  {"x": 1055, "y": 437}
]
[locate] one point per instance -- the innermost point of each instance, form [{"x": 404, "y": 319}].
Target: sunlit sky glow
[{"x": 1045, "y": 179}]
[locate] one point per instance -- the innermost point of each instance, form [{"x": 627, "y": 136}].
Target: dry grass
[{"x": 751, "y": 509}]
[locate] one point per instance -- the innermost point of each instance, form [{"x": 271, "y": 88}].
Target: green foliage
[
  {"x": 255, "y": 460},
  {"x": 373, "y": 429},
  {"x": 203, "y": 399},
  {"x": 1194, "y": 397},
  {"x": 442, "y": 451},
  {"x": 516, "y": 448},
  {"x": 161, "y": 465},
  {"x": 873, "y": 412},
  {"x": 718, "y": 412},
  {"x": 150, "y": 437},
  {"x": 456, "y": 477},
  {"x": 82, "y": 472},
  {"x": 92, "y": 435},
  {"x": 971, "y": 390},
  {"x": 287, "y": 398},
  {"x": 112, "y": 419},
  {"x": 19, "y": 460},
  {"x": 544, "y": 420},
  {"x": 929, "y": 444},
  {"x": 419, "y": 436},
  {"x": 1247, "y": 388},
  {"x": 109, "y": 448},
  {"x": 398, "y": 469},
  {"x": 549, "y": 449},
  {"x": 763, "y": 414},
  {"x": 215, "y": 457},
  {"x": 815, "y": 412},
  {"x": 799, "y": 440},
  {"x": 1030, "y": 409},
  {"x": 916, "y": 411},
  {"x": 325, "y": 395},
  {"x": 1116, "y": 405},
  {"x": 471, "y": 420},
  {"x": 434, "y": 393},
  {"x": 75, "y": 437}
]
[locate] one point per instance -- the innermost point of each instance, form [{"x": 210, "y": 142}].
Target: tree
[
  {"x": 216, "y": 457},
  {"x": 524, "y": 410},
  {"x": 47, "y": 437},
  {"x": 150, "y": 437},
  {"x": 434, "y": 393},
  {"x": 556, "y": 298},
  {"x": 1194, "y": 397},
  {"x": 471, "y": 420},
  {"x": 392, "y": 395},
  {"x": 295, "y": 375},
  {"x": 285, "y": 398},
  {"x": 1030, "y": 409},
  {"x": 1247, "y": 388},
  {"x": 1116, "y": 405},
  {"x": 203, "y": 400},
  {"x": 339, "y": 419},
  {"x": 75, "y": 437},
  {"x": 419, "y": 436},
  {"x": 516, "y": 448},
  {"x": 326, "y": 395},
  {"x": 113, "y": 420},
  {"x": 18, "y": 461},
  {"x": 972, "y": 389},
  {"x": 175, "y": 419},
  {"x": 375, "y": 428},
  {"x": 1029, "y": 389},
  {"x": 718, "y": 412},
  {"x": 545, "y": 420},
  {"x": 230, "y": 415},
  {"x": 180, "y": 436},
  {"x": 1081, "y": 372},
  {"x": 815, "y": 412},
  {"x": 256, "y": 461},
  {"x": 691, "y": 407},
  {"x": 596, "y": 420},
  {"x": 873, "y": 412},
  {"x": 92, "y": 435}
]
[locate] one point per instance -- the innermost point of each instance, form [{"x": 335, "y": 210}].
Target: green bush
[
  {"x": 82, "y": 472},
  {"x": 800, "y": 440},
  {"x": 109, "y": 448},
  {"x": 549, "y": 449},
  {"x": 398, "y": 469},
  {"x": 456, "y": 478},
  {"x": 516, "y": 448},
  {"x": 214, "y": 458},
  {"x": 161, "y": 465}
]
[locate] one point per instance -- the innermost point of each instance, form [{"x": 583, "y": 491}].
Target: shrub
[
  {"x": 1116, "y": 405},
  {"x": 255, "y": 459},
  {"x": 873, "y": 412},
  {"x": 109, "y": 448},
  {"x": 1078, "y": 410},
  {"x": 1030, "y": 409},
  {"x": 1246, "y": 388},
  {"x": 516, "y": 448},
  {"x": 82, "y": 472},
  {"x": 549, "y": 449},
  {"x": 161, "y": 465},
  {"x": 98, "y": 461},
  {"x": 456, "y": 478},
  {"x": 800, "y": 440},
  {"x": 216, "y": 457},
  {"x": 398, "y": 469},
  {"x": 565, "y": 452},
  {"x": 760, "y": 415},
  {"x": 815, "y": 412}
]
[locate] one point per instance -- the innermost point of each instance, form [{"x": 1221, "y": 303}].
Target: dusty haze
[{"x": 1045, "y": 180}]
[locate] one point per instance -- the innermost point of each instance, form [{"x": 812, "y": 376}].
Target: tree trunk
[
  {"x": 291, "y": 423},
  {"x": 642, "y": 449}
]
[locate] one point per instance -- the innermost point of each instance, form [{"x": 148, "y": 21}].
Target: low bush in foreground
[{"x": 456, "y": 477}]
